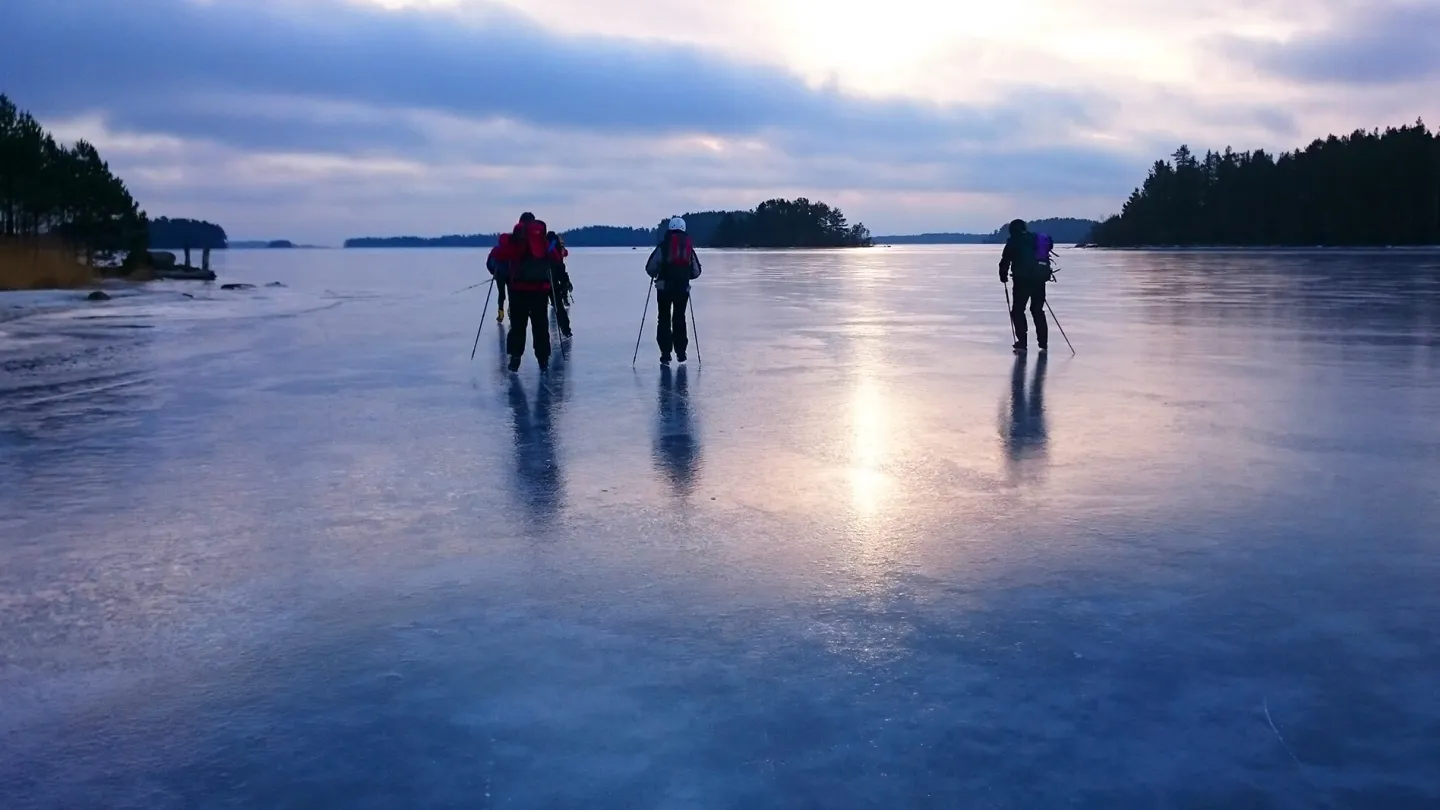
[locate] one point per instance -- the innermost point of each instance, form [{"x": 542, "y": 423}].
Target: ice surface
[{"x": 290, "y": 548}]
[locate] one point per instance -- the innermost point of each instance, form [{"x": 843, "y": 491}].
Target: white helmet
[{"x": 677, "y": 224}]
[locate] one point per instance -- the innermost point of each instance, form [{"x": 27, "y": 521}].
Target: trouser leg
[
  {"x": 519, "y": 322},
  {"x": 1037, "y": 312},
  {"x": 680, "y": 335},
  {"x": 664, "y": 334},
  {"x": 539, "y": 307},
  {"x": 1017, "y": 313}
]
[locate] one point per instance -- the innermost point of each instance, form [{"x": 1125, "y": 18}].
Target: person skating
[
  {"x": 494, "y": 263},
  {"x": 526, "y": 262},
  {"x": 673, "y": 265},
  {"x": 560, "y": 285},
  {"x": 1027, "y": 255}
]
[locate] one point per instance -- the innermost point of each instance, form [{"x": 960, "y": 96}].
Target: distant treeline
[
  {"x": 261, "y": 244},
  {"x": 609, "y": 236},
  {"x": 1064, "y": 230},
  {"x": 178, "y": 234},
  {"x": 700, "y": 225},
  {"x": 65, "y": 194},
  {"x": 1364, "y": 189},
  {"x": 589, "y": 236},
  {"x": 450, "y": 241},
  {"x": 773, "y": 223}
]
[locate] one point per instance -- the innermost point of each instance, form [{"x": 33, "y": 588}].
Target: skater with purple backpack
[{"x": 1027, "y": 254}]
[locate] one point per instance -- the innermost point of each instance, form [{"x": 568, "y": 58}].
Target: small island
[
  {"x": 179, "y": 234},
  {"x": 777, "y": 223},
  {"x": 268, "y": 244}
]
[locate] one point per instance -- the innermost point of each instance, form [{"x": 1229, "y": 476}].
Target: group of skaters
[{"x": 529, "y": 264}]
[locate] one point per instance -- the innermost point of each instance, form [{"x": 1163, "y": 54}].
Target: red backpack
[
  {"x": 529, "y": 257},
  {"x": 677, "y": 257}
]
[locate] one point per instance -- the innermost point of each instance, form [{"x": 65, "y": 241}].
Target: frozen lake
[{"x": 291, "y": 548}]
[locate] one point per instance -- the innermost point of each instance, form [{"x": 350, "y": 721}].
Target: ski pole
[
  {"x": 554, "y": 303},
  {"x": 1062, "y": 329},
  {"x": 473, "y": 286},
  {"x": 1009, "y": 313},
  {"x": 643, "y": 313},
  {"x": 484, "y": 313},
  {"x": 695, "y": 329}
]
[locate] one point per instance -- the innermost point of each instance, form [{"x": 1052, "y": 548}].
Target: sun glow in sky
[{"x": 913, "y": 115}]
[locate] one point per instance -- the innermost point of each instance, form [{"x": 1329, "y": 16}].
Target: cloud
[
  {"x": 1374, "y": 44},
  {"x": 486, "y": 62},
  {"x": 301, "y": 113}
]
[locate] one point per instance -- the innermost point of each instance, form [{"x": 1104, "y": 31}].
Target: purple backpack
[{"x": 1044, "y": 246}]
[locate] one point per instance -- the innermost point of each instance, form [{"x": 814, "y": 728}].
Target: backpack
[
  {"x": 494, "y": 263},
  {"x": 1044, "y": 246},
  {"x": 529, "y": 258},
  {"x": 1032, "y": 257},
  {"x": 677, "y": 254},
  {"x": 558, "y": 253}
]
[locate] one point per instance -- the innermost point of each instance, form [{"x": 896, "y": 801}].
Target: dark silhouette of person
[
  {"x": 538, "y": 482},
  {"x": 676, "y": 449},
  {"x": 1027, "y": 255},
  {"x": 561, "y": 287},
  {"x": 1024, "y": 433}
]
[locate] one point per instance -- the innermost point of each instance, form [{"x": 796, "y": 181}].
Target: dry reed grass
[{"x": 37, "y": 264}]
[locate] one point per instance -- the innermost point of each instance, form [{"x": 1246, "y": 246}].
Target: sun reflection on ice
[{"x": 869, "y": 427}]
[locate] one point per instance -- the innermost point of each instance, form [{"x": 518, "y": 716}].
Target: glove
[{"x": 1004, "y": 277}]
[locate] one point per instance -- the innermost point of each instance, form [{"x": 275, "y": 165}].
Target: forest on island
[
  {"x": 1365, "y": 189},
  {"x": 778, "y": 223},
  {"x": 178, "y": 234}
]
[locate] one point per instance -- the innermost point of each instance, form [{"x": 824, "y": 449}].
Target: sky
[{"x": 317, "y": 120}]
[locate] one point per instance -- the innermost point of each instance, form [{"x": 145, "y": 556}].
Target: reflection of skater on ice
[
  {"x": 538, "y": 483},
  {"x": 1024, "y": 433},
  {"x": 677, "y": 443}
]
